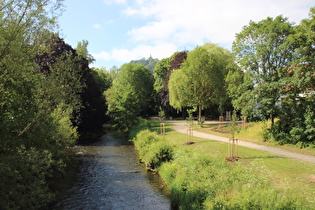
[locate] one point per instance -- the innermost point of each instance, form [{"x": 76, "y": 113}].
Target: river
[{"x": 111, "y": 177}]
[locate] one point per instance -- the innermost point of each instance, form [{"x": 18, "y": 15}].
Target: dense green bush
[
  {"x": 142, "y": 125},
  {"x": 23, "y": 184},
  {"x": 153, "y": 149},
  {"x": 295, "y": 125}
]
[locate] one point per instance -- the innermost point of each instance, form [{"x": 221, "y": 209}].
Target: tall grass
[{"x": 202, "y": 182}]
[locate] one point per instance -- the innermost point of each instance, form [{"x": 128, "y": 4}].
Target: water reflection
[{"x": 110, "y": 177}]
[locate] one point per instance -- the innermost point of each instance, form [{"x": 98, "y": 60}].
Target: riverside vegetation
[
  {"x": 198, "y": 177},
  {"x": 50, "y": 99}
]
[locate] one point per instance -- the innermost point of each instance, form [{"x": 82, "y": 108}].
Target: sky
[{"x": 119, "y": 31}]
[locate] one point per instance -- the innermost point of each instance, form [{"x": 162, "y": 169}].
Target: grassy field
[
  {"x": 252, "y": 133},
  {"x": 285, "y": 172}
]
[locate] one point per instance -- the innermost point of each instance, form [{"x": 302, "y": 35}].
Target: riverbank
[{"x": 198, "y": 176}]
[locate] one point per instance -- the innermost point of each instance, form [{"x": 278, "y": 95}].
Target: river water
[{"x": 111, "y": 177}]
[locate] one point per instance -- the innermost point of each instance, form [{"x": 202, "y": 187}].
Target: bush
[
  {"x": 23, "y": 184},
  {"x": 153, "y": 150},
  {"x": 158, "y": 153},
  {"x": 142, "y": 125}
]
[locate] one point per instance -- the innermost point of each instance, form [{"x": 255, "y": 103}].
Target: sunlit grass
[
  {"x": 252, "y": 133},
  {"x": 299, "y": 174}
]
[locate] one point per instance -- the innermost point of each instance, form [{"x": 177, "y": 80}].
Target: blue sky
[{"x": 122, "y": 30}]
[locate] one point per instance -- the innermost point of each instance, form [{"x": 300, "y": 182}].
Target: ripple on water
[{"x": 110, "y": 177}]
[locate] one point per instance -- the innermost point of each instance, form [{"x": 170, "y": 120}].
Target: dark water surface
[{"x": 110, "y": 177}]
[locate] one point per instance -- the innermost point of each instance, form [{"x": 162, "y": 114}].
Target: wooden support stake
[{"x": 162, "y": 129}]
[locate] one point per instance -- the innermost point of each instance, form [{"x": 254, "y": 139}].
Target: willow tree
[{"x": 200, "y": 80}]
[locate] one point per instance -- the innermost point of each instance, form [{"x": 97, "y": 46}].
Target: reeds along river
[{"x": 110, "y": 177}]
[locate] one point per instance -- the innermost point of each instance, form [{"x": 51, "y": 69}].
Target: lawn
[
  {"x": 286, "y": 171},
  {"x": 252, "y": 133}
]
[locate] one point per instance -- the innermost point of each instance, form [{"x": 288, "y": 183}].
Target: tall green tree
[
  {"x": 73, "y": 70},
  {"x": 130, "y": 95},
  {"x": 262, "y": 49},
  {"x": 82, "y": 50},
  {"x": 296, "y": 119},
  {"x": 200, "y": 80},
  {"x": 162, "y": 73},
  {"x": 32, "y": 137}
]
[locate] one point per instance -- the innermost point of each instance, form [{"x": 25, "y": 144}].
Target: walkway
[{"x": 180, "y": 126}]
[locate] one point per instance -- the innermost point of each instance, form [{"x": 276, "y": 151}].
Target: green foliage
[
  {"x": 160, "y": 71},
  {"x": 296, "y": 124},
  {"x": 142, "y": 125},
  {"x": 130, "y": 96},
  {"x": 234, "y": 128},
  {"x": 153, "y": 149},
  {"x": 262, "y": 49},
  {"x": 200, "y": 80},
  {"x": 240, "y": 86},
  {"x": 82, "y": 50},
  {"x": 23, "y": 174},
  {"x": 103, "y": 78},
  {"x": 147, "y": 62},
  {"x": 44, "y": 90}
]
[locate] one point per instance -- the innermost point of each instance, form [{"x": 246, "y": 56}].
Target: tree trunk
[
  {"x": 272, "y": 119},
  {"x": 199, "y": 114}
]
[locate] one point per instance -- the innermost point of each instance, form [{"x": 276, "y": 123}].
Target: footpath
[{"x": 181, "y": 127}]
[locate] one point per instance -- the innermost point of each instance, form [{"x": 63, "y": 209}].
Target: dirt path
[{"x": 180, "y": 126}]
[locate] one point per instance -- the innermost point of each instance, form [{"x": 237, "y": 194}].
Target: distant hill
[{"x": 147, "y": 62}]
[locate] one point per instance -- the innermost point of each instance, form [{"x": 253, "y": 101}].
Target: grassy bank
[{"x": 198, "y": 177}]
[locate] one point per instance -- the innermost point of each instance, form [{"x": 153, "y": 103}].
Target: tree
[
  {"x": 62, "y": 62},
  {"x": 239, "y": 87},
  {"x": 262, "y": 49},
  {"x": 162, "y": 73},
  {"x": 199, "y": 81},
  {"x": 82, "y": 50},
  {"x": 296, "y": 119},
  {"x": 33, "y": 139},
  {"x": 102, "y": 77},
  {"x": 130, "y": 95}
]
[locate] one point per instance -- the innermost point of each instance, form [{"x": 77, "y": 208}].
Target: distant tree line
[{"x": 147, "y": 62}]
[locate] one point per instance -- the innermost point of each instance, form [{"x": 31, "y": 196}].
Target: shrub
[
  {"x": 142, "y": 125},
  {"x": 157, "y": 153},
  {"x": 153, "y": 150},
  {"x": 23, "y": 184}
]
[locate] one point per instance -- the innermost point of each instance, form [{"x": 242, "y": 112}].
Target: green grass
[
  {"x": 286, "y": 172},
  {"x": 252, "y": 133}
]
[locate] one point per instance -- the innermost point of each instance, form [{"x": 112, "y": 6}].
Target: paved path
[{"x": 181, "y": 126}]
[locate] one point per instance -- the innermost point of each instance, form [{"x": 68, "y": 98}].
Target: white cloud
[
  {"x": 97, "y": 26},
  {"x": 115, "y": 1},
  {"x": 174, "y": 24},
  {"x": 194, "y": 22},
  {"x": 159, "y": 51}
]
